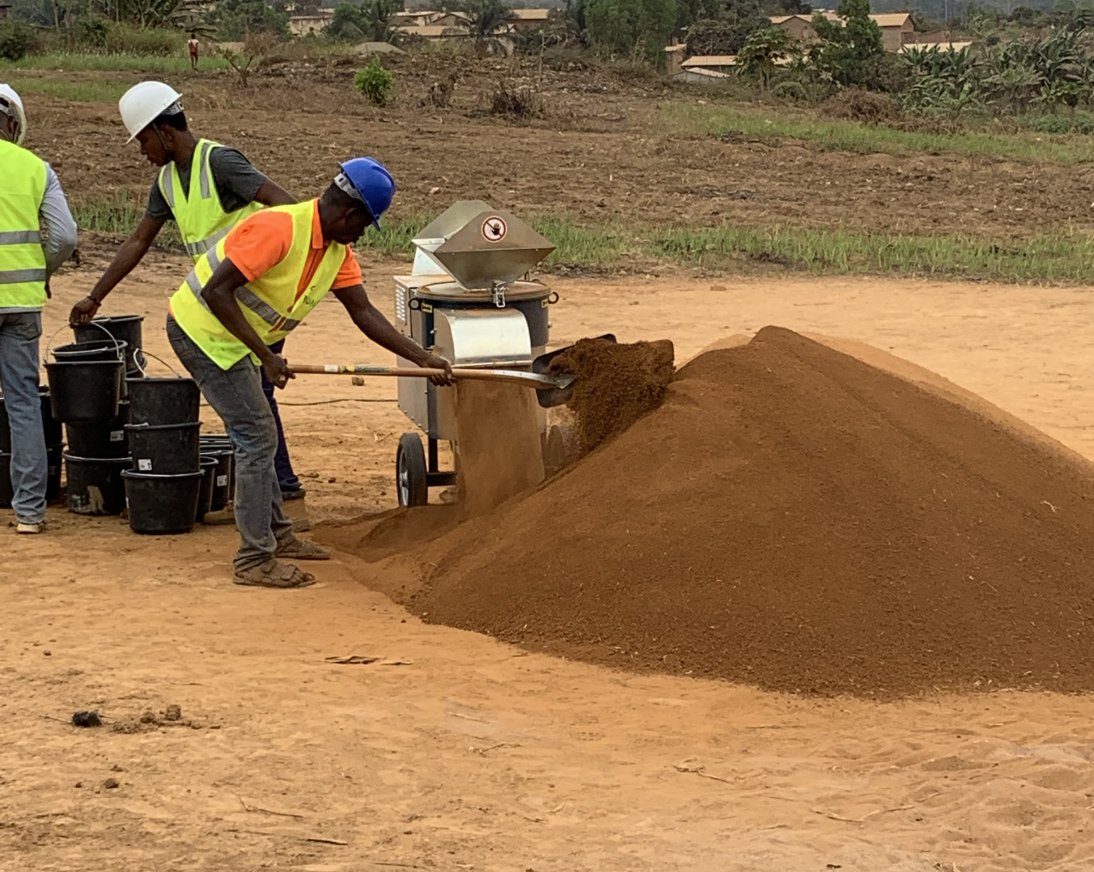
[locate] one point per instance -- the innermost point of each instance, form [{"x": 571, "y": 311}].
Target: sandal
[
  {"x": 273, "y": 573},
  {"x": 302, "y": 549}
]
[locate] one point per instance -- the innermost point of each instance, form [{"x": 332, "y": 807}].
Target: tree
[
  {"x": 367, "y": 21},
  {"x": 690, "y": 11},
  {"x": 255, "y": 49},
  {"x": 632, "y": 28},
  {"x": 237, "y": 18},
  {"x": 727, "y": 34},
  {"x": 847, "y": 47},
  {"x": 762, "y": 51},
  {"x": 489, "y": 20}
]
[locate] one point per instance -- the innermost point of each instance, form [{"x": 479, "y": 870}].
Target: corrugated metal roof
[
  {"x": 530, "y": 14},
  {"x": 891, "y": 19}
]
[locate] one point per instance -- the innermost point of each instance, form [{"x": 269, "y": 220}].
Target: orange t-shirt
[{"x": 261, "y": 241}]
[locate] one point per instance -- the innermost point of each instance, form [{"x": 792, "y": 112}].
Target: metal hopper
[{"x": 481, "y": 247}]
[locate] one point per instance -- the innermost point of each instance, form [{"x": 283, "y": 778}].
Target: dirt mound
[
  {"x": 794, "y": 518},
  {"x": 616, "y": 385}
]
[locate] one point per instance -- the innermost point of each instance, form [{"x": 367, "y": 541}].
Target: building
[
  {"x": 525, "y": 20},
  {"x": 306, "y": 25},
  {"x": 897, "y": 28},
  {"x": 721, "y": 64},
  {"x": 5, "y": 10}
]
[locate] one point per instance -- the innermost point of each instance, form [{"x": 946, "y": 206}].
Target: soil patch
[
  {"x": 797, "y": 519},
  {"x": 616, "y": 385}
]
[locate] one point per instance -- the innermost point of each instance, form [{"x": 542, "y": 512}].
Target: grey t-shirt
[{"x": 236, "y": 180}]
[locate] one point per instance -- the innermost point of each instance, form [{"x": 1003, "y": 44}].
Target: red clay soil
[
  {"x": 794, "y": 518},
  {"x": 616, "y": 385}
]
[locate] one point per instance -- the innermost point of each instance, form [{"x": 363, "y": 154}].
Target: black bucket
[
  {"x": 223, "y": 478},
  {"x": 53, "y": 476},
  {"x": 95, "y": 484},
  {"x": 164, "y": 449},
  {"x": 208, "y": 479},
  {"x": 54, "y": 453},
  {"x": 86, "y": 392},
  {"x": 162, "y": 503},
  {"x": 7, "y": 492},
  {"x": 98, "y": 349},
  {"x": 50, "y": 426},
  {"x": 163, "y": 400},
  {"x": 105, "y": 439},
  {"x": 123, "y": 328}
]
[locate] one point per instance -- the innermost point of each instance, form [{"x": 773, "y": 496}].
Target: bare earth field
[
  {"x": 603, "y": 152},
  {"x": 452, "y": 751}
]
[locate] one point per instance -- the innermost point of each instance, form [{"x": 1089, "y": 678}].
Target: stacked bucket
[
  {"x": 87, "y": 386},
  {"x": 166, "y": 481}
]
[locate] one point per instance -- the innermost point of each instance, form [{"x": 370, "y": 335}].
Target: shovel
[
  {"x": 552, "y": 388},
  {"x": 538, "y": 381}
]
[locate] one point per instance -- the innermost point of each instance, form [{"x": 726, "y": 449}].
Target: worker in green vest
[
  {"x": 245, "y": 295},
  {"x": 30, "y": 199},
  {"x": 207, "y": 188}
]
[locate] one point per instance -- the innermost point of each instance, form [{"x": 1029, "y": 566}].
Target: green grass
[
  {"x": 119, "y": 214},
  {"x": 1059, "y": 257},
  {"x": 74, "y": 92},
  {"x": 1056, "y": 257},
  {"x": 102, "y": 63},
  {"x": 836, "y": 135}
]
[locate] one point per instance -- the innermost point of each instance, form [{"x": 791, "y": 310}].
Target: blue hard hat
[{"x": 367, "y": 180}]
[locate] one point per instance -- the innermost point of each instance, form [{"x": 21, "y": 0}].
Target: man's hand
[
  {"x": 83, "y": 312},
  {"x": 277, "y": 370},
  {"x": 435, "y": 361}
]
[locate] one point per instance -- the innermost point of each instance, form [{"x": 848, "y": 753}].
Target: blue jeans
[
  {"x": 236, "y": 395},
  {"x": 286, "y": 478},
  {"x": 19, "y": 335}
]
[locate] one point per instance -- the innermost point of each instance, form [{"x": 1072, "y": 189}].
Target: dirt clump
[
  {"x": 794, "y": 518},
  {"x": 616, "y": 385}
]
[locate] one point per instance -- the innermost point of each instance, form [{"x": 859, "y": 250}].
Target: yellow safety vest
[
  {"x": 201, "y": 219},
  {"x": 270, "y": 303},
  {"x": 22, "y": 259}
]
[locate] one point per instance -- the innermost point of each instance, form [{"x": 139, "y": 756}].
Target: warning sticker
[{"x": 494, "y": 229}]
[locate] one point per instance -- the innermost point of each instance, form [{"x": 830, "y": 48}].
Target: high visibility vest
[
  {"x": 22, "y": 259},
  {"x": 271, "y": 303},
  {"x": 201, "y": 219}
]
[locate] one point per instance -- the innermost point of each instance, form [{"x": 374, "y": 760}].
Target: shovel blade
[{"x": 549, "y": 397}]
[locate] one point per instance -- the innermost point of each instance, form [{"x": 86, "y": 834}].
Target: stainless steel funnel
[{"x": 480, "y": 246}]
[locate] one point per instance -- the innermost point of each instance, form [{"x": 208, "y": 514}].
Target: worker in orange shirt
[{"x": 248, "y": 293}]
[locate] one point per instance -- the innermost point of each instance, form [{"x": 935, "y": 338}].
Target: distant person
[
  {"x": 192, "y": 45},
  {"x": 30, "y": 199},
  {"x": 245, "y": 295},
  {"x": 207, "y": 189}
]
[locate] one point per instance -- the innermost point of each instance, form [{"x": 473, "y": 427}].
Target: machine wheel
[{"x": 410, "y": 472}]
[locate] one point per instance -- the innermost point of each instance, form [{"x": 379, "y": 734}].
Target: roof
[
  {"x": 891, "y": 19},
  {"x": 430, "y": 31},
  {"x": 530, "y": 14},
  {"x": 367, "y": 48},
  {"x": 710, "y": 61},
  {"x": 941, "y": 46},
  {"x": 320, "y": 16}
]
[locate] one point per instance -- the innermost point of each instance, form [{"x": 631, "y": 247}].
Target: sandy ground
[{"x": 453, "y": 751}]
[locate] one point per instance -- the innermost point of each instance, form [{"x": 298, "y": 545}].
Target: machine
[{"x": 470, "y": 299}]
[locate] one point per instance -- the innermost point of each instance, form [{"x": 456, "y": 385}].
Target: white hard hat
[
  {"x": 144, "y": 103},
  {"x": 11, "y": 104}
]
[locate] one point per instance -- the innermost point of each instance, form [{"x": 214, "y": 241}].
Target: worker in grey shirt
[
  {"x": 31, "y": 200},
  {"x": 207, "y": 189}
]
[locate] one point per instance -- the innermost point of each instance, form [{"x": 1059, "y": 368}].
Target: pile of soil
[
  {"x": 794, "y": 518},
  {"x": 616, "y": 385}
]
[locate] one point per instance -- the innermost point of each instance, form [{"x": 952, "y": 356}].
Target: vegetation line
[{"x": 1060, "y": 256}]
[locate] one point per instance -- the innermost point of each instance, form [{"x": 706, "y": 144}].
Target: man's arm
[
  {"x": 127, "y": 257},
  {"x": 375, "y": 326},
  {"x": 60, "y": 226},
  {"x": 219, "y": 293},
  {"x": 272, "y": 194}
]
